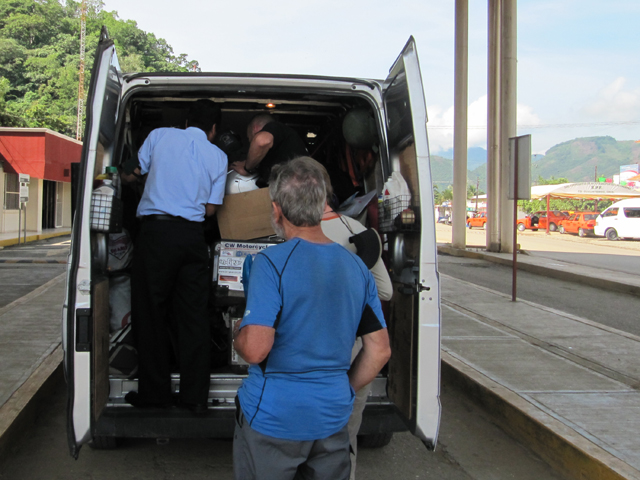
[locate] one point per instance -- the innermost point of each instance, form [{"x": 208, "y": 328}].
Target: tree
[{"x": 40, "y": 58}]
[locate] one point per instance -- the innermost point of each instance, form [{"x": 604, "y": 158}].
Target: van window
[
  {"x": 611, "y": 212},
  {"x": 631, "y": 212}
]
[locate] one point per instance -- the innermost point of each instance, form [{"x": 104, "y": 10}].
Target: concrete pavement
[{"x": 565, "y": 386}]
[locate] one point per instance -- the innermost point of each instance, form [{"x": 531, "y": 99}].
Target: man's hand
[
  {"x": 131, "y": 177},
  {"x": 239, "y": 167},
  {"x": 374, "y": 355},
  {"x": 254, "y": 342}
]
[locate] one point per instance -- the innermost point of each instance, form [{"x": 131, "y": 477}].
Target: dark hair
[
  {"x": 298, "y": 188},
  {"x": 203, "y": 114}
]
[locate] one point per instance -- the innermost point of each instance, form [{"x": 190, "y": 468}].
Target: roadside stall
[{"x": 583, "y": 190}]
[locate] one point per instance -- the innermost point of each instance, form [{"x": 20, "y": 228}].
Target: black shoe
[{"x": 134, "y": 399}]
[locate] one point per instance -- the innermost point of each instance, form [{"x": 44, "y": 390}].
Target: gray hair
[
  {"x": 261, "y": 120},
  {"x": 298, "y": 187}
]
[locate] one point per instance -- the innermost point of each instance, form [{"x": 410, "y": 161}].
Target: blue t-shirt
[
  {"x": 315, "y": 296},
  {"x": 186, "y": 171}
]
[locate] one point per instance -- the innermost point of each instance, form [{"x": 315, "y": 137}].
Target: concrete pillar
[
  {"x": 460, "y": 124},
  {"x": 508, "y": 117},
  {"x": 493, "y": 128}
]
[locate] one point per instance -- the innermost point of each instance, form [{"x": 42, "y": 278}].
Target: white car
[{"x": 620, "y": 220}]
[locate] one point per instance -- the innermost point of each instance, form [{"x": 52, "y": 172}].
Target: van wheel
[
  {"x": 581, "y": 233},
  {"x": 562, "y": 230},
  {"x": 521, "y": 227},
  {"x": 611, "y": 234},
  {"x": 375, "y": 440},
  {"x": 104, "y": 443},
  {"x": 553, "y": 227}
]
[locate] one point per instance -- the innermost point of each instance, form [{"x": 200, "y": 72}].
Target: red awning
[{"x": 39, "y": 152}]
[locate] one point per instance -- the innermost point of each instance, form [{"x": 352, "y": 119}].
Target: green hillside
[
  {"x": 442, "y": 172},
  {"x": 576, "y": 160}
]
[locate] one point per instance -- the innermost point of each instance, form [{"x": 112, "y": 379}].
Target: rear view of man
[
  {"x": 186, "y": 181},
  {"x": 271, "y": 143},
  {"x": 308, "y": 299}
]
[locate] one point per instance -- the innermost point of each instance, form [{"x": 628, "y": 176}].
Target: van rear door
[
  {"x": 85, "y": 362},
  {"x": 414, "y": 369}
]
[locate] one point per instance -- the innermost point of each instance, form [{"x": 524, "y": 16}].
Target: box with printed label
[{"x": 228, "y": 261}]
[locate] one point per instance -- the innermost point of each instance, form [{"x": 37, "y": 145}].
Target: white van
[
  {"x": 122, "y": 110},
  {"x": 620, "y": 220}
]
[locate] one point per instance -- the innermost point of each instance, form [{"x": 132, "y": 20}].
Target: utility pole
[
  {"x": 83, "y": 28},
  {"x": 477, "y": 186}
]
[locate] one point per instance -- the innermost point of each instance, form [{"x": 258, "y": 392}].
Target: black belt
[{"x": 165, "y": 218}]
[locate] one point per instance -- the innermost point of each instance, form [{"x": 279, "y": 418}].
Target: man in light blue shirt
[{"x": 186, "y": 177}]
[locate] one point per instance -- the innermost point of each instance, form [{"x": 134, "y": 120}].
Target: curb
[
  {"x": 34, "y": 238},
  {"x": 598, "y": 282},
  {"x": 560, "y": 446},
  {"x": 21, "y": 409}
]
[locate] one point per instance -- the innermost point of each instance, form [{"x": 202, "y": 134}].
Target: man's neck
[{"x": 310, "y": 234}]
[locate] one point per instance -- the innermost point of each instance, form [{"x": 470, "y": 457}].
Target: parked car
[
  {"x": 620, "y": 220},
  {"x": 538, "y": 220},
  {"x": 479, "y": 221},
  {"x": 581, "y": 223},
  {"x": 121, "y": 111}
]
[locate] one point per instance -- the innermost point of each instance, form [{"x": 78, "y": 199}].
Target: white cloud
[
  {"x": 440, "y": 125},
  {"x": 614, "y": 103}
]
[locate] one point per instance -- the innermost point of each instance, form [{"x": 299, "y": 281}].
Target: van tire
[
  {"x": 375, "y": 440},
  {"x": 611, "y": 234},
  {"x": 104, "y": 443},
  {"x": 553, "y": 227},
  {"x": 521, "y": 227},
  {"x": 562, "y": 230}
]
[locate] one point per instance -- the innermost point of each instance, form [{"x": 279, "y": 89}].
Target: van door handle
[{"x": 83, "y": 330}]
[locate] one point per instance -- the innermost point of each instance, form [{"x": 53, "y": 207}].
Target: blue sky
[{"x": 578, "y": 61}]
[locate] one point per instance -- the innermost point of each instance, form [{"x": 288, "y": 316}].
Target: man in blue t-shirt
[{"x": 307, "y": 301}]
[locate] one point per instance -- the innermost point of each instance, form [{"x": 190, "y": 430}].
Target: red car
[
  {"x": 478, "y": 221},
  {"x": 538, "y": 220},
  {"x": 581, "y": 223}
]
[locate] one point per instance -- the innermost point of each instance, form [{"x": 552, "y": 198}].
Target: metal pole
[
  {"x": 508, "y": 112},
  {"x": 493, "y": 129},
  {"x": 19, "y": 222},
  {"x": 548, "y": 221},
  {"x": 514, "y": 280},
  {"x": 460, "y": 125},
  {"x": 25, "y": 224}
]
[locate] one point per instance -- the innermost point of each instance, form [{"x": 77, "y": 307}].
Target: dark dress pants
[{"x": 170, "y": 283}]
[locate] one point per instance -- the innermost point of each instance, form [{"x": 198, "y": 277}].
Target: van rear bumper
[{"x": 129, "y": 422}]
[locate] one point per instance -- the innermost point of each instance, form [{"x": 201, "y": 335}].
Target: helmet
[
  {"x": 359, "y": 128},
  {"x": 237, "y": 183},
  {"x": 229, "y": 142}
]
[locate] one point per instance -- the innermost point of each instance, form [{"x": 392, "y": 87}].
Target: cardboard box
[{"x": 245, "y": 216}]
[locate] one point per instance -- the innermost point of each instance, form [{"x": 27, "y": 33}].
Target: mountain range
[{"x": 577, "y": 160}]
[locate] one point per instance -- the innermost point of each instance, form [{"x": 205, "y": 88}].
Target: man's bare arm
[
  {"x": 261, "y": 144},
  {"x": 254, "y": 342},
  {"x": 131, "y": 177},
  {"x": 374, "y": 355},
  {"x": 210, "y": 209}
]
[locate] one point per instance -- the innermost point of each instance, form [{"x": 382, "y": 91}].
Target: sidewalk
[
  {"x": 30, "y": 355},
  {"x": 11, "y": 238},
  {"x": 564, "y": 386}
]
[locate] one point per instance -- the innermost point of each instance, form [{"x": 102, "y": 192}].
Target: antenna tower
[{"x": 83, "y": 28}]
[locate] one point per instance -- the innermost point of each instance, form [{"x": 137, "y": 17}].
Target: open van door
[
  {"x": 85, "y": 334},
  {"x": 414, "y": 327}
]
